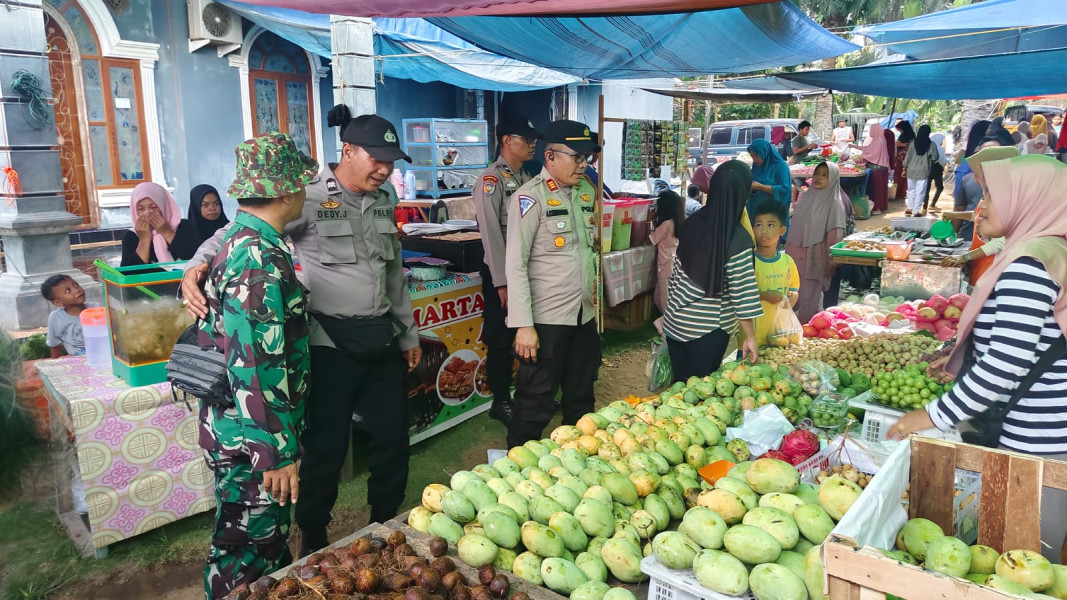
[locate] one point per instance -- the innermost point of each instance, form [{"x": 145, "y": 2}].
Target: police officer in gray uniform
[
  {"x": 551, "y": 274},
  {"x": 364, "y": 334},
  {"x": 516, "y": 140}
]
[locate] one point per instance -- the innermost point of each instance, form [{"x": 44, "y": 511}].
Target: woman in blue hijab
[{"x": 770, "y": 177}]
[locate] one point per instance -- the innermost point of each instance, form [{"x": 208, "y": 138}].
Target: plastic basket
[
  {"x": 677, "y": 584},
  {"x": 867, "y": 460},
  {"x": 840, "y": 250},
  {"x": 877, "y": 420},
  {"x": 916, "y": 224}
]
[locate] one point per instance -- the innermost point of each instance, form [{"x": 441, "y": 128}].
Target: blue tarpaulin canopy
[
  {"x": 308, "y": 30},
  {"x": 416, "y": 49},
  {"x": 731, "y": 40},
  {"x": 770, "y": 83},
  {"x": 970, "y": 78},
  {"x": 411, "y": 49},
  {"x": 991, "y": 27}
]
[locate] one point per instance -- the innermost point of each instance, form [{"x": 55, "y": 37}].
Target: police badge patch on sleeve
[
  {"x": 525, "y": 204},
  {"x": 489, "y": 185}
]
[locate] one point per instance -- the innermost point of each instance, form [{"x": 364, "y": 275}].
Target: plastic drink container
[
  {"x": 606, "y": 227},
  {"x": 639, "y": 227},
  {"x": 94, "y": 332},
  {"x": 409, "y": 185}
]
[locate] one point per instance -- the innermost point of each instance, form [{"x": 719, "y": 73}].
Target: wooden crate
[
  {"x": 421, "y": 543},
  {"x": 630, "y": 314},
  {"x": 1008, "y": 519}
]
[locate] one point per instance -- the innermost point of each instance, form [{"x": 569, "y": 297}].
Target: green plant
[
  {"x": 34, "y": 347},
  {"x": 17, "y": 441}
]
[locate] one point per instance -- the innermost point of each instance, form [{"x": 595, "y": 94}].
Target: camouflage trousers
[{"x": 250, "y": 538}]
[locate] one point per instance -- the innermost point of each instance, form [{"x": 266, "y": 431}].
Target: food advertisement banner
[{"x": 449, "y": 385}]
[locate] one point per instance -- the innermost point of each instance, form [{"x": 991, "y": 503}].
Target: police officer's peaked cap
[
  {"x": 375, "y": 135},
  {"x": 572, "y": 134},
  {"x": 517, "y": 126}
]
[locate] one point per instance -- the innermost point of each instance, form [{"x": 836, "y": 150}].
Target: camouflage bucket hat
[{"x": 270, "y": 166}]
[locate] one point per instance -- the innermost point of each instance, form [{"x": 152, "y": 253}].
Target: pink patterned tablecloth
[{"x": 137, "y": 450}]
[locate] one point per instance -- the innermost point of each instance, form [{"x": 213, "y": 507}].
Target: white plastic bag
[
  {"x": 763, "y": 429},
  {"x": 877, "y": 515}
]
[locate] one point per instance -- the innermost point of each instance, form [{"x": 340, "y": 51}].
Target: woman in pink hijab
[
  {"x": 876, "y": 154},
  {"x": 159, "y": 233}
]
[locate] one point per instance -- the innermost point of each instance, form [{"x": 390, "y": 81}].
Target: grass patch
[
  {"x": 613, "y": 343},
  {"x": 38, "y": 558}
]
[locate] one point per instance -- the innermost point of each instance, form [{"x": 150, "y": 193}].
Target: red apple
[{"x": 810, "y": 331}]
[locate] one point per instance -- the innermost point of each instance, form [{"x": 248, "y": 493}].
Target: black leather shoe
[
  {"x": 312, "y": 540},
  {"x": 501, "y": 411},
  {"x": 381, "y": 516}
]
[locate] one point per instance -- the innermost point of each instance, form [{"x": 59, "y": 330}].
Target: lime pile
[{"x": 908, "y": 388}]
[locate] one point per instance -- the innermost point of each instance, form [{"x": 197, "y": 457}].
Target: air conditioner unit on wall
[{"x": 211, "y": 23}]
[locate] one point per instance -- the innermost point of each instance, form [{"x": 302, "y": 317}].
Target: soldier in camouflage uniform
[{"x": 257, "y": 318}]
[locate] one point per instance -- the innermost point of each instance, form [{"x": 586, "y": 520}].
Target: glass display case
[
  {"x": 447, "y": 154},
  {"x": 144, "y": 319}
]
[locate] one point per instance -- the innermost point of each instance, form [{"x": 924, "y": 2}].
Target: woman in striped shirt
[
  {"x": 713, "y": 280},
  {"x": 1017, "y": 313}
]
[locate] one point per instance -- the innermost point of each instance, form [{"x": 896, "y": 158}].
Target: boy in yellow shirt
[{"x": 776, "y": 273}]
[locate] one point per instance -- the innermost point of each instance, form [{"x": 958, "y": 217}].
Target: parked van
[
  {"x": 1013, "y": 115},
  {"x": 726, "y": 139}
]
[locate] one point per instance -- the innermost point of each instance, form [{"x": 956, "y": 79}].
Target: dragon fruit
[
  {"x": 799, "y": 445},
  {"x": 959, "y": 300},
  {"x": 938, "y": 303},
  {"x": 782, "y": 456}
]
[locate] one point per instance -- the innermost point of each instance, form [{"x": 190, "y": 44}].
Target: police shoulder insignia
[
  {"x": 552, "y": 202},
  {"x": 552, "y": 185},
  {"x": 330, "y": 204},
  {"x": 331, "y": 185},
  {"x": 525, "y": 204},
  {"x": 489, "y": 185}
]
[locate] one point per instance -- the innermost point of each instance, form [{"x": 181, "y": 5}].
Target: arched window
[
  {"x": 280, "y": 82},
  {"x": 113, "y": 102}
]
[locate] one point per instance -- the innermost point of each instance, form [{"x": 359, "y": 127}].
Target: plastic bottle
[
  {"x": 94, "y": 332},
  {"x": 397, "y": 179},
  {"x": 409, "y": 185}
]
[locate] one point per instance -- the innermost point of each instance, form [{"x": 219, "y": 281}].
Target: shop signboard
[{"x": 449, "y": 385}]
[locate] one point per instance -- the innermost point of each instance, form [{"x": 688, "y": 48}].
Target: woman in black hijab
[
  {"x": 713, "y": 280},
  {"x": 996, "y": 131},
  {"x": 905, "y": 136},
  {"x": 205, "y": 211}
]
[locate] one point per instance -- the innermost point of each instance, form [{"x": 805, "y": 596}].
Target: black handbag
[
  {"x": 199, "y": 371},
  {"x": 362, "y": 338},
  {"x": 989, "y": 423}
]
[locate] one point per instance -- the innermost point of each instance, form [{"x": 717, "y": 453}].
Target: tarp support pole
[{"x": 600, "y": 218}]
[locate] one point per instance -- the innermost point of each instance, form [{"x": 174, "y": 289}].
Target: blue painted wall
[
  {"x": 400, "y": 99},
  {"x": 198, "y": 97}
]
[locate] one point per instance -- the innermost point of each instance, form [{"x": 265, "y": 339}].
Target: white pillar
[
  {"x": 34, "y": 226},
  {"x": 352, "y": 40}
]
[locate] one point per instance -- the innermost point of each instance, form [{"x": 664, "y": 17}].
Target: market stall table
[{"x": 137, "y": 452}]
